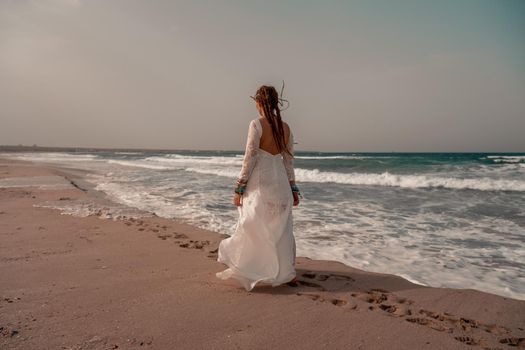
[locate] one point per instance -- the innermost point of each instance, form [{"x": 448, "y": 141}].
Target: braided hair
[{"x": 269, "y": 101}]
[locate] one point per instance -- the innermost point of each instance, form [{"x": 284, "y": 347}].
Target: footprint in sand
[
  {"x": 311, "y": 296},
  {"x": 213, "y": 254},
  {"x": 310, "y": 284},
  {"x": 8, "y": 333},
  {"x": 298, "y": 283},
  {"x": 11, "y": 300},
  {"x": 312, "y": 275},
  {"x": 386, "y": 301},
  {"x": 340, "y": 277},
  {"x": 339, "y": 302},
  {"x": 513, "y": 341},
  {"x": 194, "y": 244},
  {"x": 324, "y": 277},
  {"x": 495, "y": 329},
  {"x": 467, "y": 340},
  {"x": 465, "y": 324},
  {"x": 372, "y": 297},
  {"x": 333, "y": 301},
  {"x": 443, "y": 322},
  {"x": 164, "y": 237},
  {"x": 396, "y": 310},
  {"x": 142, "y": 342},
  {"x": 430, "y": 323}
]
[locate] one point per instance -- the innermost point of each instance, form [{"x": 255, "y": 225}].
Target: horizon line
[{"x": 14, "y": 148}]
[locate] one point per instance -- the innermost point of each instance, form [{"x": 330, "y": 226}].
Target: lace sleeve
[
  {"x": 250, "y": 154},
  {"x": 288, "y": 159}
]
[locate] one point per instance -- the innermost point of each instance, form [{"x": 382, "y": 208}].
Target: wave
[
  {"x": 410, "y": 181},
  {"x": 332, "y": 157},
  {"x": 138, "y": 164},
  {"x": 341, "y": 157},
  {"x": 507, "y": 159},
  {"x": 238, "y": 158},
  {"x": 387, "y": 179},
  {"x": 215, "y": 171},
  {"x": 181, "y": 159}
]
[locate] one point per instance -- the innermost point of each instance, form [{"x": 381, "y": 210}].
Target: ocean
[{"x": 437, "y": 219}]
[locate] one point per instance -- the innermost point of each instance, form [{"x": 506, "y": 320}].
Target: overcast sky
[{"x": 443, "y": 75}]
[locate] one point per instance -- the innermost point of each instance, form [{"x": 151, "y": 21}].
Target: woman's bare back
[{"x": 267, "y": 142}]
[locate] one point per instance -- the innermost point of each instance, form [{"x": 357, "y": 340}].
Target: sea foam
[{"x": 385, "y": 179}]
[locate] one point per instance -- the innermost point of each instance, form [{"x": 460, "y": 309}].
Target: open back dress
[{"x": 262, "y": 248}]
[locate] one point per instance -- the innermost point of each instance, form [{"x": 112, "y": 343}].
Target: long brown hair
[{"x": 269, "y": 100}]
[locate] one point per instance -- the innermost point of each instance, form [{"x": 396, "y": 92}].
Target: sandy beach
[{"x": 70, "y": 282}]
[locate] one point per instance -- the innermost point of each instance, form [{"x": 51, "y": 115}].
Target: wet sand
[{"x": 71, "y": 282}]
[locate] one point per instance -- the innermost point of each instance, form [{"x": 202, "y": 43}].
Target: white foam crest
[
  {"x": 386, "y": 179},
  {"x": 330, "y": 157},
  {"x": 408, "y": 181},
  {"x": 138, "y": 164},
  {"x": 340, "y": 157},
  {"x": 232, "y": 173},
  {"x": 181, "y": 159},
  {"x": 507, "y": 159}
]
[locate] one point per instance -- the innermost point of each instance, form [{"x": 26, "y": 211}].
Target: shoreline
[
  {"x": 358, "y": 240},
  {"x": 342, "y": 306}
]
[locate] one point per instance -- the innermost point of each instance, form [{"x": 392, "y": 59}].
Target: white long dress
[{"x": 262, "y": 248}]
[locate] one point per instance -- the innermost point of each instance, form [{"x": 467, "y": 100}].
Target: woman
[{"x": 262, "y": 249}]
